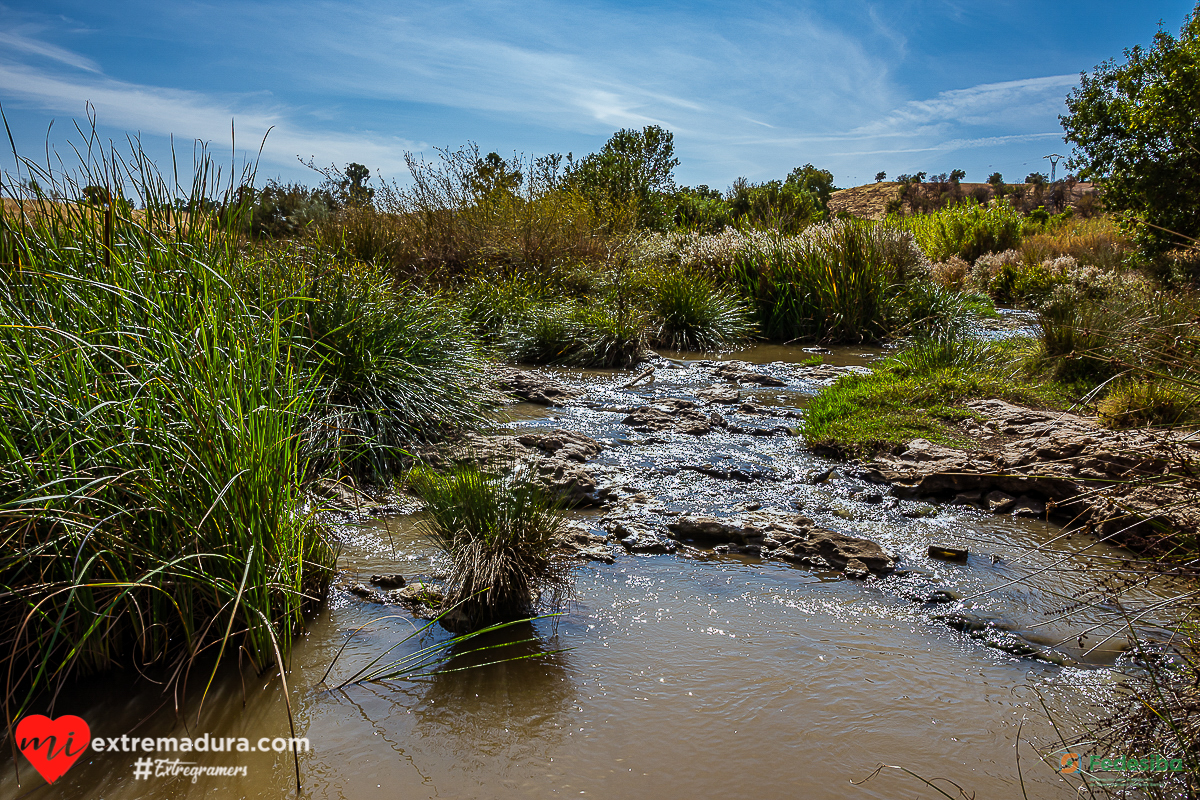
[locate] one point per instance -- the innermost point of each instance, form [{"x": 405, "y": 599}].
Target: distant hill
[{"x": 870, "y": 201}]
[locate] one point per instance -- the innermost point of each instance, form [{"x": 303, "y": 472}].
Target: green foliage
[
  {"x": 392, "y": 368},
  {"x": 152, "y": 429},
  {"x": 166, "y": 393},
  {"x": 1025, "y": 284},
  {"x": 284, "y": 210},
  {"x": 493, "y": 174},
  {"x": 922, "y": 307},
  {"x": 967, "y": 230},
  {"x": 702, "y": 209},
  {"x": 831, "y": 284},
  {"x": 1135, "y": 404},
  {"x": 1134, "y": 132},
  {"x": 916, "y": 394},
  {"x": 353, "y": 189},
  {"x": 688, "y": 312},
  {"x": 817, "y": 182},
  {"x": 788, "y": 207},
  {"x": 633, "y": 166},
  {"x": 499, "y": 531}
]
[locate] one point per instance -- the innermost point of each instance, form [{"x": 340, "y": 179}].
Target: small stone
[
  {"x": 1000, "y": 502},
  {"x": 388, "y": 581},
  {"x": 968, "y": 498},
  {"x": 922, "y": 510},
  {"x": 1028, "y": 507},
  {"x": 943, "y": 553}
]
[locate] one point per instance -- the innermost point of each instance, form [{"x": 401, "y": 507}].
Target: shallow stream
[{"x": 686, "y": 675}]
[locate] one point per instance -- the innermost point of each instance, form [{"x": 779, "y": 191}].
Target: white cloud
[
  {"x": 998, "y": 104},
  {"x": 39, "y": 48},
  {"x": 192, "y": 115}
]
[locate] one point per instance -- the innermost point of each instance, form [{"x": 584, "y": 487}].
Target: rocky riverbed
[{"x": 701, "y": 460}]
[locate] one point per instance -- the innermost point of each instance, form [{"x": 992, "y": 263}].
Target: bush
[
  {"x": 392, "y": 368},
  {"x": 499, "y": 531},
  {"x": 1134, "y": 404},
  {"x": 966, "y": 230},
  {"x": 832, "y": 283},
  {"x": 152, "y": 431},
  {"x": 687, "y": 312}
]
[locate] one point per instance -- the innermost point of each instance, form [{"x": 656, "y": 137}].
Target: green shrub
[
  {"x": 152, "y": 434},
  {"x": 687, "y": 312},
  {"x": 1134, "y": 404},
  {"x": 392, "y": 368},
  {"x": 922, "y": 307},
  {"x": 966, "y": 230},
  {"x": 832, "y": 283},
  {"x": 499, "y": 531}
]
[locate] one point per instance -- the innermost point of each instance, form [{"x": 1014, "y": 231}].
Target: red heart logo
[{"x": 52, "y": 745}]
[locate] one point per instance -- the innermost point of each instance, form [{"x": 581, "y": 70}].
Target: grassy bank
[{"x": 166, "y": 394}]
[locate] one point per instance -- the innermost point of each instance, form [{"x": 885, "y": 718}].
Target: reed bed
[{"x": 166, "y": 393}]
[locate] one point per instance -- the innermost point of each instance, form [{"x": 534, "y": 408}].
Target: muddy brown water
[{"x": 679, "y": 677}]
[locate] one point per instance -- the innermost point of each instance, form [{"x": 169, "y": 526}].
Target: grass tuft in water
[{"x": 499, "y": 530}]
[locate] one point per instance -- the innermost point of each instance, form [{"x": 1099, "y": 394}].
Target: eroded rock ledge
[{"x": 1137, "y": 486}]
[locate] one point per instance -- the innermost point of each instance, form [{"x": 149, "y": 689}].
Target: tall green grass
[
  {"x": 499, "y": 530},
  {"x": 165, "y": 394},
  {"x": 967, "y": 230},
  {"x": 833, "y": 283}
]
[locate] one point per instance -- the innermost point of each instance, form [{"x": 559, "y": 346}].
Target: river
[{"x": 683, "y": 675}]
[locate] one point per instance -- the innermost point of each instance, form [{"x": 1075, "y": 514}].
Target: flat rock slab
[
  {"x": 677, "y": 417},
  {"x": 1030, "y": 463},
  {"x": 557, "y": 460},
  {"x": 792, "y": 538},
  {"x": 534, "y": 387}
]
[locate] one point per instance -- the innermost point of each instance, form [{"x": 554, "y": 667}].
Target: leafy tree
[
  {"x": 817, "y": 182},
  {"x": 632, "y": 165},
  {"x": 996, "y": 179},
  {"x": 880, "y": 176},
  {"x": 1036, "y": 178},
  {"x": 354, "y": 189},
  {"x": 957, "y": 175},
  {"x": 1134, "y": 130},
  {"x": 494, "y": 175}
]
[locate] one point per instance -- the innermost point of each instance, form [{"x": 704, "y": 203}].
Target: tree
[
  {"x": 632, "y": 165},
  {"x": 1134, "y": 132},
  {"x": 957, "y": 175},
  {"x": 880, "y": 176},
  {"x": 996, "y": 179},
  {"x": 494, "y": 175},
  {"x": 817, "y": 182},
  {"x": 353, "y": 186},
  {"x": 1036, "y": 178}
]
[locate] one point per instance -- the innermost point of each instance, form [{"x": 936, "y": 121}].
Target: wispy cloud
[
  {"x": 749, "y": 93},
  {"x": 26, "y": 44},
  {"x": 193, "y": 115},
  {"x": 999, "y": 104}
]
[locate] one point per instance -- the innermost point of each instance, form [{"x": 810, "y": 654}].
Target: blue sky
[{"x": 749, "y": 89}]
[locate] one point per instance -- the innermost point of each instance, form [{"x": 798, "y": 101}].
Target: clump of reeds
[
  {"x": 966, "y": 230},
  {"x": 166, "y": 392},
  {"x": 499, "y": 529},
  {"x": 151, "y": 432},
  {"x": 832, "y": 283},
  {"x": 689, "y": 312}
]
